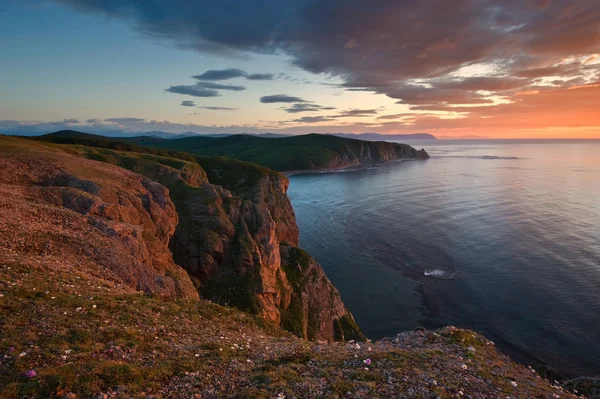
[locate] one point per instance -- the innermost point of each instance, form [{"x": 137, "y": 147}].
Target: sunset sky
[{"x": 500, "y": 69}]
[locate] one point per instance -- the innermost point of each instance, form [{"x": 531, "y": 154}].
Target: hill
[
  {"x": 307, "y": 152},
  {"x": 312, "y": 151}
]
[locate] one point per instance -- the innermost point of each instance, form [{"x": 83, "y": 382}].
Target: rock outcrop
[
  {"x": 108, "y": 220},
  {"x": 237, "y": 236}
]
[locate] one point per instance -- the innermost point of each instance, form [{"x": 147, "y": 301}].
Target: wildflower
[
  {"x": 30, "y": 373},
  {"x": 370, "y": 349},
  {"x": 197, "y": 355},
  {"x": 23, "y": 354},
  {"x": 94, "y": 306},
  {"x": 367, "y": 362},
  {"x": 68, "y": 351},
  {"x": 513, "y": 383},
  {"x": 366, "y": 368},
  {"x": 280, "y": 395},
  {"x": 464, "y": 366},
  {"x": 471, "y": 349},
  {"x": 11, "y": 349}
]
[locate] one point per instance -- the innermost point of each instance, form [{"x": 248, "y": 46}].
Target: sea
[{"x": 498, "y": 236}]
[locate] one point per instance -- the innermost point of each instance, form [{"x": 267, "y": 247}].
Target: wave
[{"x": 439, "y": 273}]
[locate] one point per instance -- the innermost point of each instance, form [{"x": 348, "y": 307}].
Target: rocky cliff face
[
  {"x": 358, "y": 152},
  {"x": 93, "y": 216},
  {"x": 236, "y": 238}
]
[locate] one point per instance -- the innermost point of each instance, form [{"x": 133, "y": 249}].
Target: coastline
[{"x": 348, "y": 168}]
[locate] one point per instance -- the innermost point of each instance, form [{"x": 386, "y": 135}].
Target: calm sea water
[{"x": 502, "y": 237}]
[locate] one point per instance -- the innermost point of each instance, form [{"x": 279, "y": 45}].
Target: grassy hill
[{"x": 312, "y": 151}]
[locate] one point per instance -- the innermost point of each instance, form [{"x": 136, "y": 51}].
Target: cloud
[
  {"x": 260, "y": 76},
  {"x": 312, "y": 119},
  {"x": 357, "y": 113},
  {"x": 188, "y": 103},
  {"x": 306, "y": 107},
  {"x": 193, "y": 90},
  {"x": 221, "y": 74},
  {"x": 231, "y": 73},
  {"x": 218, "y": 86},
  {"x": 425, "y": 54},
  {"x": 280, "y": 98},
  {"x": 220, "y": 108}
]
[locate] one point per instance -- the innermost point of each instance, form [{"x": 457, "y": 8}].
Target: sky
[{"x": 461, "y": 68}]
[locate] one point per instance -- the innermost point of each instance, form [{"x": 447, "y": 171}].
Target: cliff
[
  {"x": 233, "y": 217},
  {"x": 87, "y": 215}
]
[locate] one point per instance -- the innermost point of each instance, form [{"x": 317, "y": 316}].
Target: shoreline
[{"x": 348, "y": 168}]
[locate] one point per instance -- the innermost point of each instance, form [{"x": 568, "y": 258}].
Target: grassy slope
[
  {"x": 312, "y": 151},
  {"x": 86, "y": 337},
  {"x": 147, "y": 145}
]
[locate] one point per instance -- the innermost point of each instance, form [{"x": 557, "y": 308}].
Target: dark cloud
[
  {"x": 69, "y": 121},
  {"x": 357, "y": 113},
  {"x": 220, "y": 108},
  {"x": 260, "y": 76},
  {"x": 313, "y": 119},
  {"x": 306, "y": 107},
  {"x": 188, "y": 103},
  {"x": 280, "y": 98},
  {"x": 193, "y": 90},
  {"x": 221, "y": 74},
  {"x": 218, "y": 86},
  {"x": 412, "y": 51}
]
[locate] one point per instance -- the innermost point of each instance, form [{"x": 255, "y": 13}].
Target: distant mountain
[{"x": 387, "y": 137}]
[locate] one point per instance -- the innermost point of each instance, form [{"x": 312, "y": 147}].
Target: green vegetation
[
  {"x": 312, "y": 151},
  {"x": 88, "y": 338}
]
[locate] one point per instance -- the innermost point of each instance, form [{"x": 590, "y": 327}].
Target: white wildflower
[{"x": 513, "y": 383}]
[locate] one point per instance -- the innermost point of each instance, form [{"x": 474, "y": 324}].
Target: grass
[{"x": 87, "y": 338}]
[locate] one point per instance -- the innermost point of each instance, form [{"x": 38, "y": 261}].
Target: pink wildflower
[{"x": 30, "y": 374}]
